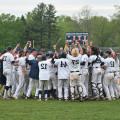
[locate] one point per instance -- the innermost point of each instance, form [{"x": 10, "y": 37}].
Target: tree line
[{"x": 46, "y": 28}]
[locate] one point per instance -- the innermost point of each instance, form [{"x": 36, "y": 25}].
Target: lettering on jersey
[
  {"x": 63, "y": 64},
  {"x": 4, "y": 58},
  {"x": 74, "y": 62},
  {"x": 98, "y": 60},
  {"x": 112, "y": 64},
  {"x": 43, "y": 66}
]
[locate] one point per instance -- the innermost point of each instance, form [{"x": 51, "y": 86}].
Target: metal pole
[{"x": 33, "y": 43}]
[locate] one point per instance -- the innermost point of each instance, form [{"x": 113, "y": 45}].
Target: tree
[
  {"x": 51, "y": 27},
  {"x": 46, "y": 29},
  {"x": 41, "y": 25},
  {"x": 11, "y": 30}
]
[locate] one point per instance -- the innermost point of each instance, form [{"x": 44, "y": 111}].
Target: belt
[
  {"x": 74, "y": 71},
  {"x": 109, "y": 72},
  {"x": 96, "y": 67},
  {"x": 83, "y": 68}
]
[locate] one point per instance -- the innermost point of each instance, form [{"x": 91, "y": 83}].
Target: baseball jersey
[
  {"x": 7, "y": 61},
  {"x": 117, "y": 65},
  {"x": 53, "y": 68},
  {"x": 44, "y": 70},
  {"x": 15, "y": 68},
  {"x": 74, "y": 62},
  {"x": 63, "y": 68},
  {"x": 21, "y": 63},
  {"x": 84, "y": 58},
  {"x": 31, "y": 57},
  {"x": 95, "y": 60},
  {"x": 110, "y": 64}
]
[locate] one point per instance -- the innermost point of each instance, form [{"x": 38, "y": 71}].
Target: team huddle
[{"x": 71, "y": 73}]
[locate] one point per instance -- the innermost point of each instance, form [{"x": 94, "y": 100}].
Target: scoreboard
[{"x": 79, "y": 36}]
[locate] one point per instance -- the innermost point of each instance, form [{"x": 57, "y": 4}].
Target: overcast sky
[{"x": 63, "y": 7}]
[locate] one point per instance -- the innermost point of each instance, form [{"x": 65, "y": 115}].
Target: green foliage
[
  {"x": 41, "y": 25},
  {"x": 11, "y": 30},
  {"x": 46, "y": 29}
]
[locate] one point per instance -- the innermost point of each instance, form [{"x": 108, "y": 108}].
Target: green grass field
[{"x": 59, "y": 110}]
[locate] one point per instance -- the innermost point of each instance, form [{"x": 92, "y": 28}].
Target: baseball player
[
  {"x": 33, "y": 75},
  {"x": 33, "y": 78},
  {"x": 109, "y": 76},
  {"x": 27, "y": 54},
  {"x": 84, "y": 72},
  {"x": 97, "y": 61},
  {"x": 21, "y": 73},
  {"x": 74, "y": 66},
  {"x": 2, "y": 78},
  {"x": 8, "y": 60},
  {"x": 52, "y": 83},
  {"x": 15, "y": 74},
  {"x": 63, "y": 76},
  {"x": 44, "y": 77},
  {"x": 26, "y": 84},
  {"x": 116, "y": 82},
  {"x": 33, "y": 55}
]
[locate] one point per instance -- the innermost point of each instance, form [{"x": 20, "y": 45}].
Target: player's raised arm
[
  {"x": 89, "y": 47},
  {"x": 54, "y": 56},
  {"x": 80, "y": 48},
  {"x": 26, "y": 46},
  {"x": 17, "y": 46},
  {"x": 66, "y": 48},
  {"x": 86, "y": 44}
]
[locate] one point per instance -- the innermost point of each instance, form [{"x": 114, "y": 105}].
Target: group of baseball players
[{"x": 72, "y": 73}]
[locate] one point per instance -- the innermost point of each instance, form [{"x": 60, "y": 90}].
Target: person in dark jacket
[{"x": 2, "y": 78}]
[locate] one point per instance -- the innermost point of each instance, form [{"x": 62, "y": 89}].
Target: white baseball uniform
[
  {"x": 63, "y": 76},
  {"x": 97, "y": 87},
  {"x": 53, "y": 77},
  {"x": 15, "y": 75},
  {"x": 44, "y": 77},
  {"x": 7, "y": 71},
  {"x": 109, "y": 78},
  {"x": 85, "y": 74},
  {"x": 31, "y": 57},
  {"x": 116, "y": 85},
  {"x": 75, "y": 81},
  {"x": 21, "y": 75}
]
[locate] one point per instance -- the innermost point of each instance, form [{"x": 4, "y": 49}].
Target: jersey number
[
  {"x": 75, "y": 62},
  {"x": 43, "y": 66},
  {"x": 4, "y": 58},
  {"x": 63, "y": 64},
  {"x": 112, "y": 64}
]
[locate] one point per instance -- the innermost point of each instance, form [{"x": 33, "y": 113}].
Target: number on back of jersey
[
  {"x": 4, "y": 58},
  {"x": 112, "y": 64},
  {"x": 43, "y": 66},
  {"x": 74, "y": 62},
  {"x": 63, "y": 64}
]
